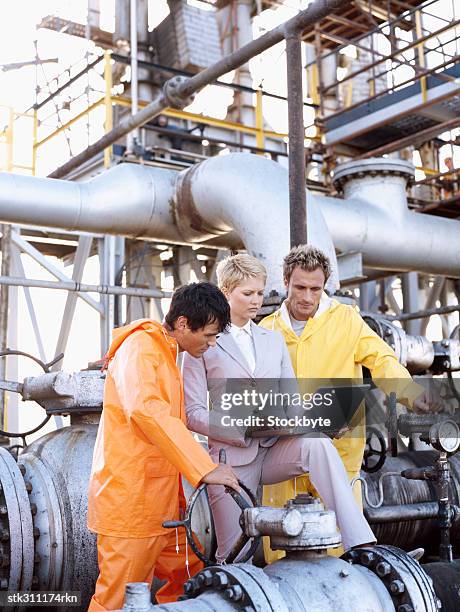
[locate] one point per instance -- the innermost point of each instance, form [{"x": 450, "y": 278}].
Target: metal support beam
[
  {"x": 297, "y": 178},
  {"x": 425, "y": 313},
  {"x": 13, "y": 281},
  {"x": 132, "y": 139},
  {"x": 4, "y": 312},
  {"x": 12, "y": 363},
  {"x": 119, "y": 267},
  {"x": 81, "y": 256},
  {"x": 409, "y": 282},
  {"x": 106, "y": 247},
  {"x": 367, "y": 293},
  {"x": 432, "y": 297},
  {"x": 18, "y": 270},
  {"x": 26, "y": 247}
]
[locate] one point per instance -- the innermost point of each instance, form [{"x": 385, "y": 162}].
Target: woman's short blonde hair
[{"x": 234, "y": 270}]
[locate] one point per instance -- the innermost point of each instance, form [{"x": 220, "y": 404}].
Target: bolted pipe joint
[
  {"x": 173, "y": 92},
  {"x": 359, "y": 179}
]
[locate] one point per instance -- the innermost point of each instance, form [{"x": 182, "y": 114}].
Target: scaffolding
[{"x": 397, "y": 56}]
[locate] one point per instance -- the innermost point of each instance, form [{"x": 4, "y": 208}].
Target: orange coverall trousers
[{"x": 123, "y": 560}]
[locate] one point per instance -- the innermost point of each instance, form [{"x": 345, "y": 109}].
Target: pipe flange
[
  {"x": 172, "y": 92},
  {"x": 374, "y": 166},
  {"x": 394, "y": 336},
  {"x": 216, "y": 578},
  {"x": 16, "y": 527},
  {"x": 409, "y": 586},
  {"x": 191, "y": 225},
  {"x": 48, "y": 528},
  {"x": 244, "y": 585}
]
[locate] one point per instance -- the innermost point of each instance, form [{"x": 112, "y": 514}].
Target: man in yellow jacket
[
  {"x": 330, "y": 340},
  {"x": 143, "y": 446}
]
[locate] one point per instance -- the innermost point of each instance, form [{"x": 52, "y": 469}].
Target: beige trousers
[{"x": 289, "y": 458}]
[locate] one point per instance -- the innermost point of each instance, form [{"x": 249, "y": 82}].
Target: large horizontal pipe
[
  {"x": 183, "y": 88},
  {"x": 237, "y": 198},
  {"x": 129, "y": 200},
  {"x": 222, "y": 199}
]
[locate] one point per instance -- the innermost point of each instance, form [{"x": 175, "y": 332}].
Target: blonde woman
[{"x": 246, "y": 351}]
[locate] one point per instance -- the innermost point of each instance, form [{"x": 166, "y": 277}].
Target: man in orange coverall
[{"x": 143, "y": 445}]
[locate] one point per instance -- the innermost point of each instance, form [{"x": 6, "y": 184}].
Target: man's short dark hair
[{"x": 201, "y": 304}]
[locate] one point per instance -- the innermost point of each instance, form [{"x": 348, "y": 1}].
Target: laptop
[{"x": 333, "y": 415}]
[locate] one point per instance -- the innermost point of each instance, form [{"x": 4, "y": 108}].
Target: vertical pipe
[
  {"x": 445, "y": 513},
  {"x": 409, "y": 282},
  {"x": 4, "y": 309},
  {"x": 11, "y": 418},
  {"x": 108, "y": 105},
  {"x": 132, "y": 138},
  {"x": 297, "y": 190}
]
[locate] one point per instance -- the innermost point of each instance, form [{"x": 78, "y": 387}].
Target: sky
[{"x": 18, "y": 32}]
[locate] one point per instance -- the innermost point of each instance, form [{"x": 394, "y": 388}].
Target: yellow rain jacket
[{"x": 337, "y": 343}]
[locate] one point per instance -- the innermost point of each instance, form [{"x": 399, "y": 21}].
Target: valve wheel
[
  {"x": 186, "y": 522},
  {"x": 369, "y": 464}
]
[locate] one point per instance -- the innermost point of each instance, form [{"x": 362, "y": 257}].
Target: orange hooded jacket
[{"x": 142, "y": 443}]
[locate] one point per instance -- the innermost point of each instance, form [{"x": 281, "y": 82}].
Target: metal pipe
[
  {"x": 372, "y": 219},
  {"x": 177, "y": 91},
  {"x": 4, "y": 312},
  {"x": 13, "y": 281},
  {"x": 126, "y": 59},
  {"x": 297, "y": 182},
  {"x": 421, "y": 314},
  {"x": 204, "y": 210},
  {"x": 401, "y": 513},
  {"x": 134, "y": 75}
]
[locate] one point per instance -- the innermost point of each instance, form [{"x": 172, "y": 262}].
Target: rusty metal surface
[
  {"x": 66, "y": 455},
  {"x": 48, "y": 529},
  {"x": 398, "y": 491},
  {"x": 17, "y": 545},
  {"x": 297, "y": 177},
  {"x": 62, "y": 392}
]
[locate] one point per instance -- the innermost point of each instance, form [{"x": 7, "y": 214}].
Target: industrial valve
[{"x": 379, "y": 578}]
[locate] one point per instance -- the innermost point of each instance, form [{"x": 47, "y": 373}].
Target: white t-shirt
[{"x": 298, "y": 326}]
